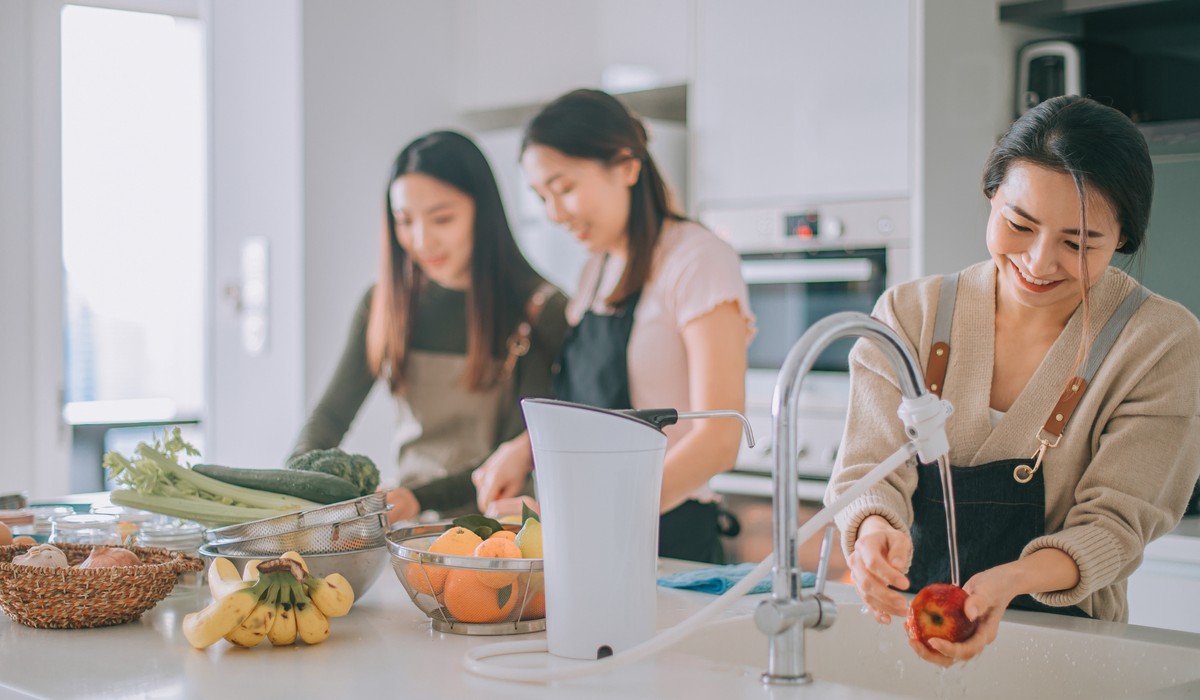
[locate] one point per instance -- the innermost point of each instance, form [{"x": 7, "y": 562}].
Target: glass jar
[
  {"x": 129, "y": 520},
  {"x": 43, "y": 517},
  {"x": 178, "y": 536},
  {"x": 85, "y": 528}
]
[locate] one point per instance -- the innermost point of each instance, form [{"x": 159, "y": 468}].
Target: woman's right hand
[
  {"x": 503, "y": 474},
  {"x": 881, "y": 555}
]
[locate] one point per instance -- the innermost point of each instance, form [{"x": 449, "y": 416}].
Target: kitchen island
[{"x": 385, "y": 648}]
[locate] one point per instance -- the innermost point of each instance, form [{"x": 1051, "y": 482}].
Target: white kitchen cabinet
[
  {"x": 1164, "y": 590},
  {"x": 800, "y": 100},
  {"x": 519, "y": 52}
]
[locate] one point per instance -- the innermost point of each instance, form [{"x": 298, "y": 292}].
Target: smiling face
[
  {"x": 588, "y": 197},
  {"x": 435, "y": 224},
  {"x": 1033, "y": 237}
]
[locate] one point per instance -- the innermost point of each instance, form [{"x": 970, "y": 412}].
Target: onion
[
  {"x": 108, "y": 557},
  {"x": 43, "y": 555}
]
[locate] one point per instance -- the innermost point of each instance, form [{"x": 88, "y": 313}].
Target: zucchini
[{"x": 317, "y": 487}]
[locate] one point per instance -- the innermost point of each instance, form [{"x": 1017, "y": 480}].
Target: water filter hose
[{"x": 475, "y": 660}]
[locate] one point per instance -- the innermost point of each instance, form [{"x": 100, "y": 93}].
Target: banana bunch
[{"x": 278, "y": 600}]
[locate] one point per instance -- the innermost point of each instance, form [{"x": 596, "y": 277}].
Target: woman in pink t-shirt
[{"x": 661, "y": 318}]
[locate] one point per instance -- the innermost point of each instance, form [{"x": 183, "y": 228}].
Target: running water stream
[{"x": 951, "y": 528}]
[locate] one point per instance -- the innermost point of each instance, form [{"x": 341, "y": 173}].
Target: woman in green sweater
[{"x": 459, "y": 326}]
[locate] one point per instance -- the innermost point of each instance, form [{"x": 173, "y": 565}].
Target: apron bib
[
  {"x": 445, "y": 428},
  {"x": 593, "y": 370},
  {"x": 1002, "y": 504}
]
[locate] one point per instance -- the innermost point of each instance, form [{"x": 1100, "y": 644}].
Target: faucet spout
[{"x": 791, "y": 612}]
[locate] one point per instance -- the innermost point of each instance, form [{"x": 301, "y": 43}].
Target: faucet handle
[{"x": 823, "y": 564}]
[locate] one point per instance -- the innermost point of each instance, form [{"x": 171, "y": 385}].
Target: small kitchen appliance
[{"x": 599, "y": 474}]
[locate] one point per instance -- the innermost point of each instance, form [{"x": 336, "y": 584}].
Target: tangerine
[
  {"x": 430, "y": 579},
  {"x": 504, "y": 535},
  {"x": 468, "y": 600},
  {"x": 535, "y": 607},
  {"x": 498, "y": 548}
]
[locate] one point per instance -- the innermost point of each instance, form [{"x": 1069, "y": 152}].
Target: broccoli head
[{"x": 357, "y": 469}]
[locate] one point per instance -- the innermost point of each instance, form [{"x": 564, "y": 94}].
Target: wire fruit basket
[
  {"x": 466, "y": 594},
  {"x": 71, "y": 598}
]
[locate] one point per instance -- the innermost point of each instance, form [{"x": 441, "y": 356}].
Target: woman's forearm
[
  {"x": 706, "y": 451},
  {"x": 1044, "y": 571}
]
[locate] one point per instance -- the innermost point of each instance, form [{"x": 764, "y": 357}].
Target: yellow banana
[
  {"x": 202, "y": 629},
  {"x": 295, "y": 556},
  {"x": 333, "y": 594},
  {"x": 250, "y": 571},
  {"x": 254, "y": 628},
  {"x": 312, "y": 627},
  {"x": 283, "y": 629},
  {"x": 223, "y": 578}
]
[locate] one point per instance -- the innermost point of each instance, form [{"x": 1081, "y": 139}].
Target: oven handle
[{"x": 806, "y": 270}]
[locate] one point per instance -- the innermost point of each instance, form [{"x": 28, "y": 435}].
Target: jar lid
[{"x": 80, "y": 521}]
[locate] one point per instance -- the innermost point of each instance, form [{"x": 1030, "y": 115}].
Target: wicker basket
[{"x": 75, "y": 598}]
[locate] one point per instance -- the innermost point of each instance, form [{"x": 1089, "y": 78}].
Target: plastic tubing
[{"x": 475, "y": 660}]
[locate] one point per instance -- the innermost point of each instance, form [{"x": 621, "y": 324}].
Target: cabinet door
[
  {"x": 1163, "y": 590},
  {"x": 800, "y": 100},
  {"x": 519, "y": 52}
]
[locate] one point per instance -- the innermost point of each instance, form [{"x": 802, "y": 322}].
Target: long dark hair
[
  {"x": 501, "y": 278},
  {"x": 593, "y": 124},
  {"x": 1100, "y": 148}
]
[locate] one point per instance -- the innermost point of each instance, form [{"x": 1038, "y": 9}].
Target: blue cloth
[{"x": 718, "y": 579}]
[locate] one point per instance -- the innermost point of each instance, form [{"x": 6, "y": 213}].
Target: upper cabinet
[
  {"x": 800, "y": 101},
  {"x": 521, "y": 52}
]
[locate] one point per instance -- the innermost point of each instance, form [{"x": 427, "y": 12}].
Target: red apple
[{"x": 937, "y": 611}]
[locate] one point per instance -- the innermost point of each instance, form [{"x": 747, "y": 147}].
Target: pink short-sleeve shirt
[{"x": 693, "y": 272}]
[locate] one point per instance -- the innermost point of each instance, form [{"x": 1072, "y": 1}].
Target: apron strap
[
  {"x": 939, "y": 352},
  {"x": 1099, "y": 349},
  {"x": 519, "y": 342}
]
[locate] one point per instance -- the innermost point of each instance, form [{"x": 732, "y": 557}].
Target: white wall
[
  {"x": 966, "y": 61},
  {"x": 16, "y": 249},
  {"x": 377, "y": 74}
]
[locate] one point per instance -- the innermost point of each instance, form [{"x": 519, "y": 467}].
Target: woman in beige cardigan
[{"x": 1076, "y": 434}]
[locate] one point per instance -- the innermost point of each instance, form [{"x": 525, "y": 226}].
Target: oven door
[{"x": 790, "y": 290}]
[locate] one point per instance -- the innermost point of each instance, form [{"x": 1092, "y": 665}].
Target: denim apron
[
  {"x": 593, "y": 370},
  {"x": 1001, "y": 504}
]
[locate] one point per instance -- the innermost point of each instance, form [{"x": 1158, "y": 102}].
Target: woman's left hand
[
  {"x": 404, "y": 505},
  {"x": 988, "y": 596}
]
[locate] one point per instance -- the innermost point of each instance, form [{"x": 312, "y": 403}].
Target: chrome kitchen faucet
[{"x": 788, "y": 612}]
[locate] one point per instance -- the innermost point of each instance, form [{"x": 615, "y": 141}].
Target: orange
[
  {"x": 535, "y": 607},
  {"x": 430, "y": 579},
  {"x": 504, "y": 535},
  {"x": 468, "y": 600},
  {"x": 499, "y": 548},
  {"x": 535, "y": 597}
]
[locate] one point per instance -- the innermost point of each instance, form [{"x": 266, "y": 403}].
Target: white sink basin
[{"x": 1034, "y": 656}]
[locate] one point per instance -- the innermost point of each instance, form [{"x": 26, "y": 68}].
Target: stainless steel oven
[{"x": 800, "y": 265}]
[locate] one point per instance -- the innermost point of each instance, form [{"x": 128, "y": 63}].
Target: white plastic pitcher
[{"x": 599, "y": 477}]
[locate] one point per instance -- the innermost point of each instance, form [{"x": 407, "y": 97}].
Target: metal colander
[
  {"x": 281, "y": 524},
  {"x": 365, "y": 531},
  {"x": 515, "y": 586}
]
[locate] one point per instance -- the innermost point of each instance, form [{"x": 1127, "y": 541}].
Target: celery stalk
[{"x": 209, "y": 513}]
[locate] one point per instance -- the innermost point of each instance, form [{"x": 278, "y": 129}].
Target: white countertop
[{"x": 384, "y": 646}]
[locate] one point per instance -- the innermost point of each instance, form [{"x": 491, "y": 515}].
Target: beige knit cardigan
[{"x": 1129, "y": 456}]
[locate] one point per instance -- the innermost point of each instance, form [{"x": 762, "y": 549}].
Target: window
[{"x": 134, "y": 198}]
